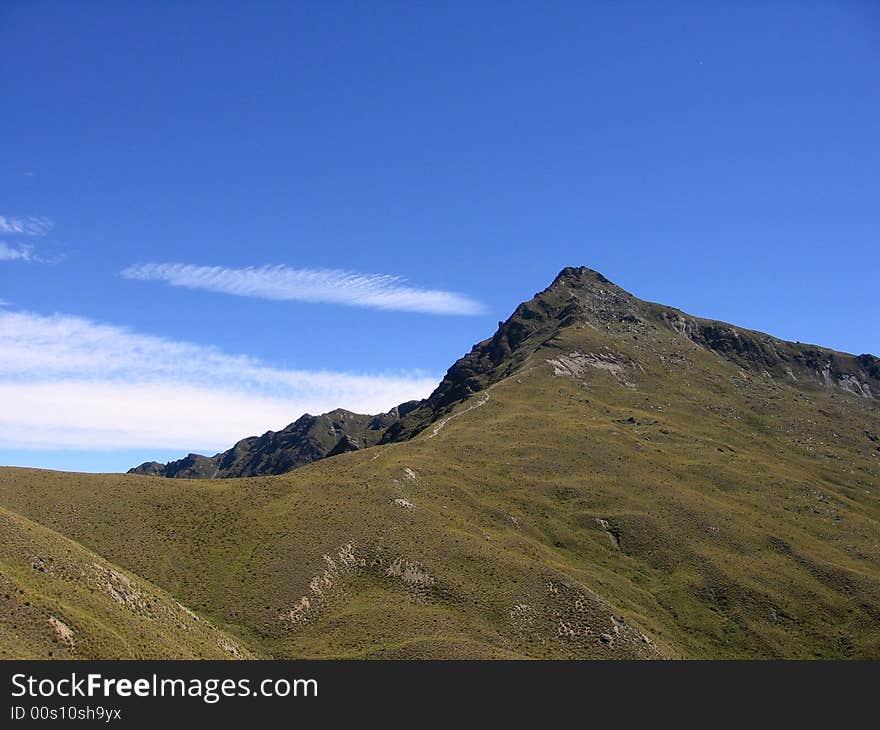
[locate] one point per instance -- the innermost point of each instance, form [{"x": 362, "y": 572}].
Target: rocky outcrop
[
  {"x": 796, "y": 362},
  {"x": 307, "y": 439},
  {"x": 577, "y": 295}
]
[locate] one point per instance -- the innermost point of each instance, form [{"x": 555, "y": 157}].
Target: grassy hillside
[
  {"x": 59, "y": 600},
  {"x": 623, "y": 492}
]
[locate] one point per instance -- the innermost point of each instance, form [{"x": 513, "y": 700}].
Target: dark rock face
[
  {"x": 193, "y": 466},
  {"x": 307, "y": 439},
  {"x": 150, "y": 469},
  {"x": 346, "y": 444},
  {"x": 578, "y": 297},
  {"x": 859, "y": 375},
  {"x": 871, "y": 365},
  {"x": 583, "y": 297}
]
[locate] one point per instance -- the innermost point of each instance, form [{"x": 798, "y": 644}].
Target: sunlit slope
[
  {"x": 617, "y": 495},
  {"x": 58, "y": 600}
]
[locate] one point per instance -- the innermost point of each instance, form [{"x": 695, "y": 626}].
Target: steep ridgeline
[
  {"x": 307, "y": 439},
  {"x": 578, "y": 298}
]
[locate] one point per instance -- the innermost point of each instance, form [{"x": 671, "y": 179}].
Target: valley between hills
[{"x": 603, "y": 478}]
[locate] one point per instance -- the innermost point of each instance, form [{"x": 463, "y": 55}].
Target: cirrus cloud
[
  {"x": 334, "y": 286},
  {"x": 16, "y": 227},
  {"x": 19, "y": 252},
  {"x": 28, "y": 226}
]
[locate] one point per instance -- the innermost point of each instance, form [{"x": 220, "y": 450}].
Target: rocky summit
[{"x": 603, "y": 477}]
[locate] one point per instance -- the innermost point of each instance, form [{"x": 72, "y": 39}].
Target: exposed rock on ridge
[{"x": 307, "y": 439}]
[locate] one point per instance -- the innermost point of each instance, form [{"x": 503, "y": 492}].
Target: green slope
[
  {"x": 59, "y": 600},
  {"x": 621, "y": 490}
]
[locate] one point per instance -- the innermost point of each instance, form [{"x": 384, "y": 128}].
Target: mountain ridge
[
  {"x": 577, "y": 296},
  {"x": 307, "y": 439}
]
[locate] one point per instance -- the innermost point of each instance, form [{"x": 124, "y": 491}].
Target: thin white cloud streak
[
  {"x": 282, "y": 283},
  {"x": 29, "y": 226},
  {"x": 68, "y": 382},
  {"x": 20, "y": 252},
  {"x": 23, "y": 227}
]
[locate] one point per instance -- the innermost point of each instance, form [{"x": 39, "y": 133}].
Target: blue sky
[{"x": 172, "y": 175}]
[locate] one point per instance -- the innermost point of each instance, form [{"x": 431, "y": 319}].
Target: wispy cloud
[
  {"x": 69, "y": 382},
  {"x": 378, "y": 291},
  {"x": 33, "y": 227},
  {"x": 28, "y": 226},
  {"x": 16, "y": 252}
]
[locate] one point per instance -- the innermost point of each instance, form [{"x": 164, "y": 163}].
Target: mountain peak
[
  {"x": 578, "y": 276},
  {"x": 609, "y": 317}
]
